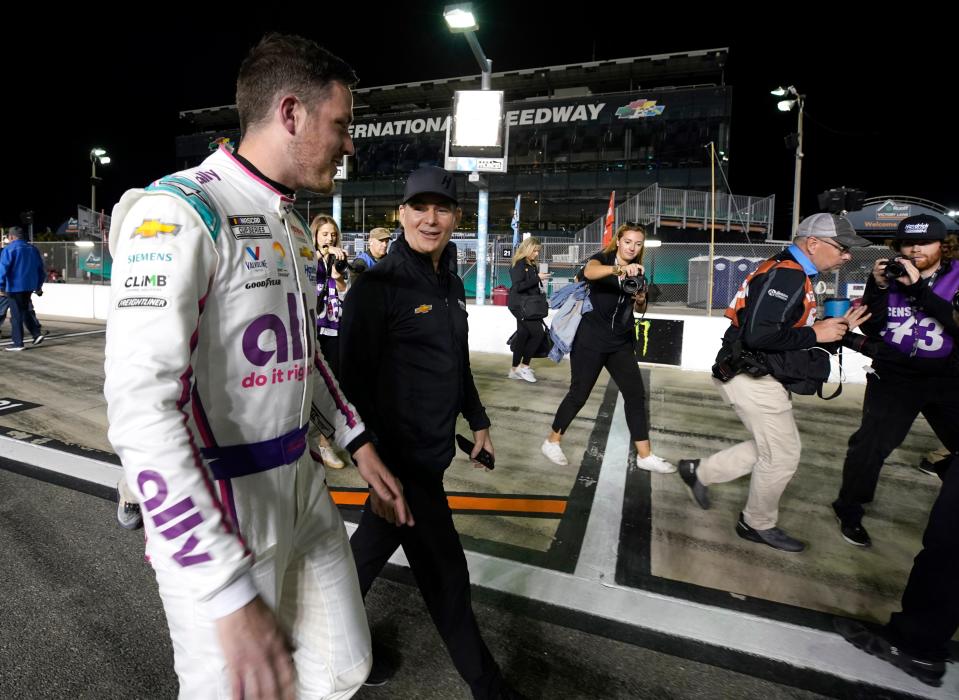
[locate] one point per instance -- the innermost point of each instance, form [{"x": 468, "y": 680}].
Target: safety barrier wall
[{"x": 689, "y": 342}]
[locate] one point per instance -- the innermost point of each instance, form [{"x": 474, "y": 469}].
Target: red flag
[{"x": 610, "y": 219}]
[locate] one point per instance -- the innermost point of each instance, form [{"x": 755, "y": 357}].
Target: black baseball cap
[
  {"x": 430, "y": 180},
  {"x": 921, "y": 227}
]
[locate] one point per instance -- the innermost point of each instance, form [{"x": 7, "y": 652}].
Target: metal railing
[{"x": 663, "y": 207}]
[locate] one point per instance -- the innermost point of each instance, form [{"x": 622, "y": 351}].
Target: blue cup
[{"x": 835, "y": 307}]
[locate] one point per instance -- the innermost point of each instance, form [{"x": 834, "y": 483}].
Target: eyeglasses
[{"x": 838, "y": 246}]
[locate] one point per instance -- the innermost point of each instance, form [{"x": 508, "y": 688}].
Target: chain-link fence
[
  {"x": 83, "y": 262},
  {"x": 679, "y": 272}
]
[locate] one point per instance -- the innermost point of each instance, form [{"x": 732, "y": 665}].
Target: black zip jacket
[
  {"x": 404, "y": 359},
  {"x": 774, "y": 303},
  {"x": 524, "y": 278}
]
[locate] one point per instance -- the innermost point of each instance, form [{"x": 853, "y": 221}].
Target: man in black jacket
[
  {"x": 405, "y": 365},
  {"x": 917, "y": 638},
  {"x": 773, "y": 323},
  {"x": 919, "y": 373}
]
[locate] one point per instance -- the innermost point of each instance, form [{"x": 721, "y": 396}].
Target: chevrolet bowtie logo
[
  {"x": 423, "y": 309},
  {"x": 306, "y": 253},
  {"x": 151, "y": 228}
]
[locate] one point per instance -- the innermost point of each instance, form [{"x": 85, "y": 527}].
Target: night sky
[{"x": 879, "y": 113}]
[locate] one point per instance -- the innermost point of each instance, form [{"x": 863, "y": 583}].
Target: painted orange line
[
  {"x": 514, "y": 505},
  {"x": 524, "y": 505},
  {"x": 348, "y": 498}
]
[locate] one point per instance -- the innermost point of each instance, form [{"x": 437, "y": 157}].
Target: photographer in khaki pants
[{"x": 765, "y": 357}]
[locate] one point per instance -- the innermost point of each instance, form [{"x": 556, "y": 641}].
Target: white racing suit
[{"x": 212, "y": 373}]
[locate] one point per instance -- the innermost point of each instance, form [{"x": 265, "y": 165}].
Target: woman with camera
[
  {"x": 606, "y": 338},
  {"x": 528, "y": 304},
  {"x": 330, "y": 286}
]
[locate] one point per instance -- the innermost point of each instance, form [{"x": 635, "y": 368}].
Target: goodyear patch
[
  {"x": 247, "y": 226},
  {"x": 423, "y": 309},
  {"x": 151, "y": 228}
]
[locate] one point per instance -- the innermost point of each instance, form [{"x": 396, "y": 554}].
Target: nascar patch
[
  {"x": 423, "y": 309},
  {"x": 249, "y": 226},
  {"x": 151, "y": 228}
]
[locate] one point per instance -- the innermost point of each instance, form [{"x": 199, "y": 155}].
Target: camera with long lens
[
  {"x": 635, "y": 284},
  {"x": 894, "y": 269}
]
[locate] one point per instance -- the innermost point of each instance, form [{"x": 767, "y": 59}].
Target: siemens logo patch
[
  {"x": 150, "y": 257},
  {"x": 261, "y": 284},
  {"x": 145, "y": 281},
  {"x": 141, "y": 303},
  {"x": 249, "y": 226}
]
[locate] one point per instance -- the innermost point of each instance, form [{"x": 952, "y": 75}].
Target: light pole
[
  {"x": 461, "y": 20},
  {"x": 794, "y": 99},
  {"x": 96, "y": 154}
]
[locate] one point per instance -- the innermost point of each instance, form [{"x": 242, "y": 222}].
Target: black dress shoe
[
  {"x": 929, "y": 672},
  {"x": 773, "y": 537},
  {"x": 384, "y": 667},
  {"x": 687, "y": 471}
]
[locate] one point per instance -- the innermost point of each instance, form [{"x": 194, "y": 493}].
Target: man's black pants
[
  {"x": 21, "y": 314},
  {"x": 930, "y": 603},
  {"x": 890, "y": 406},
  {"x": 438, "y": 563}
]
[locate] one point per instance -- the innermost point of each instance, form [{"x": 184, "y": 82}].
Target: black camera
[
  {"x": 634, "y": 285},
  {"x": 341, "y": 266},
  {"x": 894, "y": 269}
]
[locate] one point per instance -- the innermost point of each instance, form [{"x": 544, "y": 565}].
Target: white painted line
[
  {"x": 85, "y": 468},
  {"x": 740, "y": 632},
  {"x": 600, "y": 549},
  {"x": 28, "y": 342},
  {"x": 797, "y": 646}
]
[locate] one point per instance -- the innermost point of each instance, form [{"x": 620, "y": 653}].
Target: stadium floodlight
[
  {"x": 796, "y": 100},
  {"x": 97, "y": 155},
  {"x": 460, "y": 18}
]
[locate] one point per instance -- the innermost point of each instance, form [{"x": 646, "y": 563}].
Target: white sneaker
[
  {"x": 527, "y": 374},
  {"x": 514, "y": 374},
  {"x": 329, "y": 458},
  {"x": 655, "y": 464},
  {"x": 554, "y": 453}
]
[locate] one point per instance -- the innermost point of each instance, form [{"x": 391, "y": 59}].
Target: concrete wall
[
  {"x": 82, "y": 301},
  {"x": 490, "y": 326}
]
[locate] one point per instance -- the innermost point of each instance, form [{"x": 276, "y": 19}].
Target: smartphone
[
  {"x": 484, "y": 457},
  {"x": 544, "y": 267}
]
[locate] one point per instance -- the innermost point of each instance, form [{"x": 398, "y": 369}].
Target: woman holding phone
[{"x": 526, "y": 283}]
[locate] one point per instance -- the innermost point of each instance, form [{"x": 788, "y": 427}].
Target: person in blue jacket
[{"x": 21, "y": 274}]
